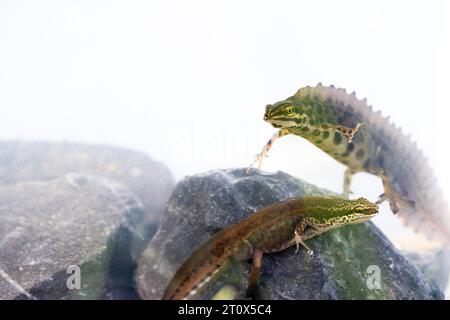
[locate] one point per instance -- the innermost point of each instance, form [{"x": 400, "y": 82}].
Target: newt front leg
[
  {"x": 298, "y": 236},
  {"x": 260, "y": 156},
  {"x": 349, "y": 132}
]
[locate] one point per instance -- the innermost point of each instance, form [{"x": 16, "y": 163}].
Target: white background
[{"x": 187, "y": 81}]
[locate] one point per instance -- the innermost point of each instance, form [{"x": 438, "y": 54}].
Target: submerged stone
[{"x": 58, "y": 238}]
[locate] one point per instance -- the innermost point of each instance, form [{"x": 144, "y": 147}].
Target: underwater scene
[{"x": 224, "y": 150}]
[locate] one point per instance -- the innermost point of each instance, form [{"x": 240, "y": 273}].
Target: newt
[
  {"x": 348, "y": 130},
  {"x": 272, "y": 229}
]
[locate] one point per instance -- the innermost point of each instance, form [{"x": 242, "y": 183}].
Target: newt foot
[{"x": 298, "y": 240}]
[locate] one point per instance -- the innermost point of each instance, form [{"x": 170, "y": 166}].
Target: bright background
[{"x": 187, "y": 81}]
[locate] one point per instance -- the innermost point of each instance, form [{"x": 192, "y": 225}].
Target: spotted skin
[
  {"x": 272, "y": 229},
  {"x": 364, "y": 141}
]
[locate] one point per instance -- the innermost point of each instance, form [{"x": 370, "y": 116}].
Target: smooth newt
[
  {"x": 364, "y": 141},
  {"x": 274, "y": 228}
]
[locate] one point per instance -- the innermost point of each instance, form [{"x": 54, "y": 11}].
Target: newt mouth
[
  {"x": 367, "y": 217},
  {"x": 281, "y": 123}
]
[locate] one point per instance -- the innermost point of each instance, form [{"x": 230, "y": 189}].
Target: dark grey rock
[
  {"x": 150, "y": 180},
  {"x": 47, "y": 226},
  {"x": 204, "y": 203}
]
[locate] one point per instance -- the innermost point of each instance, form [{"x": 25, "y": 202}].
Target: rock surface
[
  {"x": 150, "y": 180},
  {"x": 62, "y": 203},
  {"x": 344, "y": 261},
  {"x": 435, "y": 265},
  {"x": 47, "y": 226}
]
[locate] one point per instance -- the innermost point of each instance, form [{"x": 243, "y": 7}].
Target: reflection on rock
[
  {"x": 67, "y": 204},
  {"x": 150, "y": 180},
  {"x": 47, "y": 226}
]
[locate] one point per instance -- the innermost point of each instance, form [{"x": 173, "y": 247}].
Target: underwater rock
[
  {"x": 150, "y": 180},
  {"x": 352, "y": 262},
  {"x": 49, "y": 229}
]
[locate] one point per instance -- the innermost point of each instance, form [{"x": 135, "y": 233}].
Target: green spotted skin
[
  {"x": 270, "y": 230},
  {"x": 378, "y": 147},
  {"x": 315, "y": 121}
]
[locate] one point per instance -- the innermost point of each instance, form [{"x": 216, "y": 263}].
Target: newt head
[
  {"x": 285, "y": 114},
  {"x": 361, "y": 210},
  {"x": 309, "y": 116},
  {"x": 329, "y": 213}
]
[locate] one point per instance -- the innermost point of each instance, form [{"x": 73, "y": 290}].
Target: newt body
[
  {"x": 272, "y": 229},
  {"x": 349, "y": 131}
]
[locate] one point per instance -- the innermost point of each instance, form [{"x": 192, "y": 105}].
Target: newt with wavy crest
[
  {"x": 349, "y": 131},
  {"x": 274, "y": 228}
]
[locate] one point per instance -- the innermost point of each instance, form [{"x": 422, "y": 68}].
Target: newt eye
[
  {"x": 359, "y": 209},
  {"x": 289, "y": 111}
]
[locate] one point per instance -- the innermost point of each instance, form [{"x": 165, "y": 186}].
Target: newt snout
[{"x": 269, "y": 107}]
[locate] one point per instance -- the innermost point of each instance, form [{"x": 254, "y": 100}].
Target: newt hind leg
[
  {"x": 395, "y": 198},
  {"x": 255, "y": 274}
]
